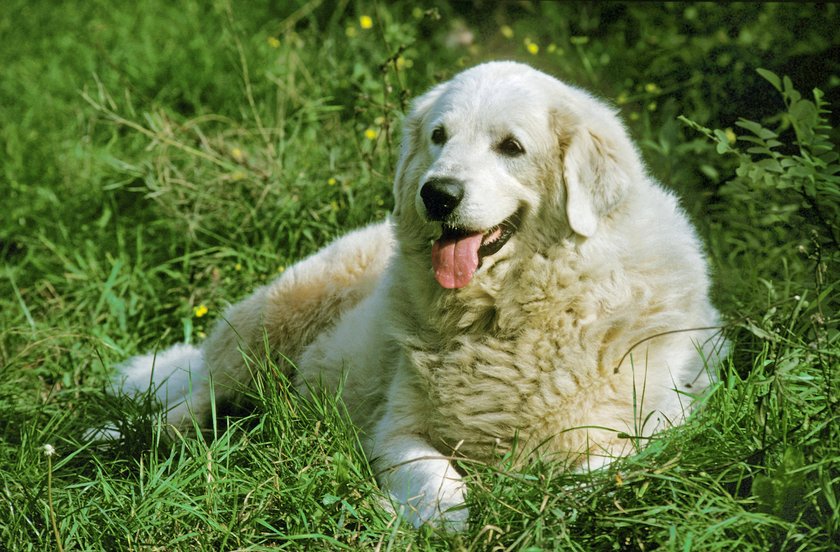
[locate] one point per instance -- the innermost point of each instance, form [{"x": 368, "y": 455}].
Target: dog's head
[{"x": 503, "y": 158}]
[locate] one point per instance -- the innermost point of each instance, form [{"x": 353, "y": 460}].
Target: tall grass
[{"x": 160, "y": 160}]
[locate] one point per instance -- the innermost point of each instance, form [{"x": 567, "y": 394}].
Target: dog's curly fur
[{"x": 556, "y": 343}]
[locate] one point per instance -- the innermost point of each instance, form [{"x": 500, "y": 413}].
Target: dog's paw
[
  {"x": 438, "y": 514},
  {"x": 429, "y": 493}
]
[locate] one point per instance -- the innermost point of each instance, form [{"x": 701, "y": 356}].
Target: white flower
[{"x": 49, "y": 450}]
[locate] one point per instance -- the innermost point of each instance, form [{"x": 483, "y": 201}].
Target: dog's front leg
[{"x": 422, "y": 483}]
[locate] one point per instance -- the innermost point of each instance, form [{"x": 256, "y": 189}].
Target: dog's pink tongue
[{"x": 455, "y": 260}]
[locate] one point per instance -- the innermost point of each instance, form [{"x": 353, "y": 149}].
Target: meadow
[{"x": 159, "y": 160}]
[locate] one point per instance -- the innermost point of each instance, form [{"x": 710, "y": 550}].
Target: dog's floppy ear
[{"x": 599, "y": 165}]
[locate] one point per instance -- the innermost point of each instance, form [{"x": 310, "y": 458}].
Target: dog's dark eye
[
  {"x": 439, "y": 136},
  {"x": 510, "y": 147}
]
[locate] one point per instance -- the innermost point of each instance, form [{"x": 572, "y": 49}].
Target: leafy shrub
[
  {"x": 787, "y": 185},
  {"x": 784, "y": 201}
]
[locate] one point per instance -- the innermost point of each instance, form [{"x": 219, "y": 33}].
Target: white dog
[{"x": 534, "y": 288}]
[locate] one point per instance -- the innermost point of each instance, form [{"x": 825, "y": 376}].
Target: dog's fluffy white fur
[{"x": 592, "y": 319}]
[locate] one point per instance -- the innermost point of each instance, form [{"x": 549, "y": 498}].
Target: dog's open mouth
[{"x": 458, "y": 253}]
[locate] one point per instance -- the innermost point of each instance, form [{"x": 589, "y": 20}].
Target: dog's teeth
[{"x": 492, "y": 235}]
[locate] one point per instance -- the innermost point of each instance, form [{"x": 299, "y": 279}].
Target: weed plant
[{"x": 161, "y": 159}]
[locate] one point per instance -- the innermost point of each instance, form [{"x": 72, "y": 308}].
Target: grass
[{"x": 162, "y": 159}]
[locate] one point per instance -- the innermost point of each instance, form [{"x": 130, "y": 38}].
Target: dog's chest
[
  {"x": 499, "y": 368},
  {"x": 484, "y": 392}
]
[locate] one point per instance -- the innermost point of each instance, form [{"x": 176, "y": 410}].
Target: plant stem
[{"x": 50, "y": 502}]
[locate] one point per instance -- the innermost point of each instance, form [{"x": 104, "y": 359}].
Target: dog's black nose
[{"x": 441, "y": 196}]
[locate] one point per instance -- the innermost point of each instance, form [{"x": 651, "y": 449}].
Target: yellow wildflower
[
  {"x": 365, "y": 22},
  {"x": 200, "y": 310},
  {"x": 730, "y": 135},
  {"x": 533, "y": 48},
  {"x": 237, "y": 154},
  {"x": 371, "y": 134},
  {"x": 281, "y": 269},
  {"x": 331, "y": 181},
  {"x": 652, "y": 88},
  {"x": 506, "y": 31},
  {"x": 273, "y": 42},
  {"x": 237, "y": 267}
]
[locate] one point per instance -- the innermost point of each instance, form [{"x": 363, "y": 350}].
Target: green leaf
[
  {"x": 329, "y": 499},
  {"x": 781, "y": 492},
  {"x": 764, "y": 491},
  {"x": 790, "y": 92},
  {"x": 759, "y": 150},
  {"x": 721, "y": 135},
  {"x": 709, "y": 172},
  {"x": 756, "y": 129},
  {"x": 771, "y": 77},
  {"x": 770, "y": 165}
]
